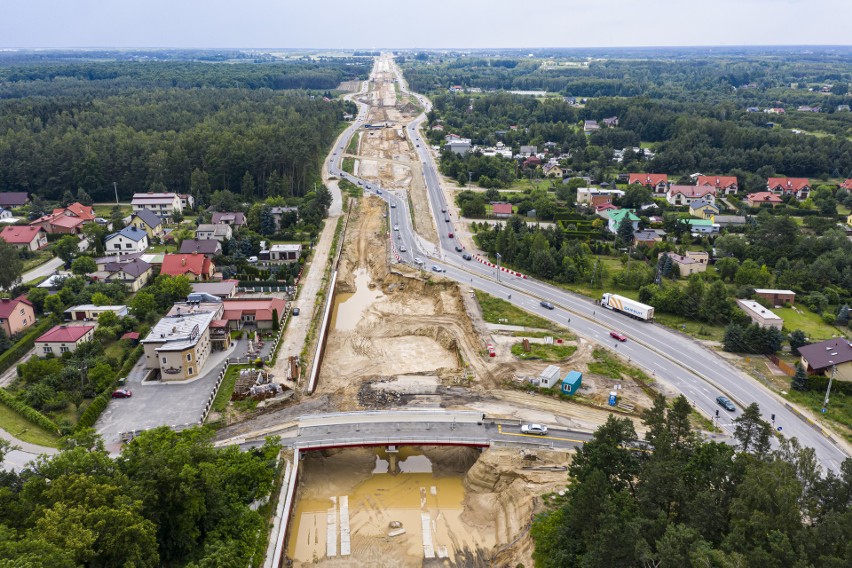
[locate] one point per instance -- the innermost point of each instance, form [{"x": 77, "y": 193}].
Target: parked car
[
  {"x": 547, "y": 305},
  {"x": 436, "y": 268},
  {"x": 539, "y": 429},
  {"x": 618, "y": 336},
  {"x": 467, "y": 256},
  {"x": 122, "y": 393},
  {"x": 252, "y": 259},
  {"x": 725, "y": 403},
  {"x": 296, "y": 311}
]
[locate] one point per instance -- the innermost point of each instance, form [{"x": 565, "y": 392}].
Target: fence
[{"x": 788, "y": 369}]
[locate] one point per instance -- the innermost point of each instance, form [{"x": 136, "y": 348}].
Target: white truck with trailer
[{"x": 627, "y": 306}]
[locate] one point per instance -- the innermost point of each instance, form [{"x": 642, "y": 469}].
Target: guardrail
[
  {"x": 450, "y": 440},
  {"x": 382, "y": 416}
]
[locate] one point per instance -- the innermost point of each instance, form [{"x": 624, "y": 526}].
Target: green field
[
  {"x": 839, "y": 413},
  {"x": 499, "y": 311},
  {"x": 353, "y": 144},
  {"x": 813, "y": 326},
  {"x": 24, "y": 430},
  {"x": 105, "y": 209},
  {"x": 349, "y": 165},
  {"x": 543, "y": 352},
  {"x": 41, "y": 256}
]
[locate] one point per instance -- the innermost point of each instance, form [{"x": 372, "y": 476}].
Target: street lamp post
[
  {"x": 499, "y": 258},
  {"x": 828, "y": 390}
]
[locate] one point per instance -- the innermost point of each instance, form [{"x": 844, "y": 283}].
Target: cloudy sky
[{"x": 423, "y": 23}]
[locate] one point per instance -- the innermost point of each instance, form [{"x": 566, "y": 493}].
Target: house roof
[
  {"x": 719, "y": 182},
  {"x": 680, "y": 259},
  {"x": 286, "y": 248},
  {"x": 645, "y": 235},
  {"x": 648, "y": 179},
  {"x": 764, "y": 197},
  {"x": 223, "y": 288},
  {"x": 261, "y": 308},
  {"x": 131, "y": 232},
  {"x": 78, "y": 209},
  {"x": 177, "y": 333},
  {"x": 150, "y": 198},
  {"x": 819, "y": 355},
  {"x": 136, "y": 267},
  {"x": 19, "y": 234},
  {"x": 201, "y": 246},
  {"x": 131, "y": 335},
  {"x": 692, "y": 191},
  {"x": 65, "y": 334},
  {"x": 235, "y": 218},
  {"x": 788, "y": 184},
  {"x": 703, "y": 203},
  {"x": 149, "y": 218},
  {"x": 619, "y": 214},
  {"x": 773, "y": 291},
  {"x": 700, "y": 222},
  {"x": 847, "y": 184},
  {"x": 176, "y": 264},
  {"x": 7, "y": 305},
  {"x": 502, "y": 208},
  {"x": 13, "y": 198}
]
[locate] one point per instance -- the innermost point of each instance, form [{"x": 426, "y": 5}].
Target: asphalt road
[{"x": 687, "y": 366}]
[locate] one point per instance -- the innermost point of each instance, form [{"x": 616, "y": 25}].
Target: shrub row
[
  {"x": 20, "y": 348},
  {"x": 27, "y": 411},
  {"x": 819, "y": 383},
  {"x": 99, "y": 404}
]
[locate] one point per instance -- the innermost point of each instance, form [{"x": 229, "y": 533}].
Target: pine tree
[
  {"x": 247, "y": 185},
  {"x": 624, "y": 233},
  {"x": 800, "y": 379}
]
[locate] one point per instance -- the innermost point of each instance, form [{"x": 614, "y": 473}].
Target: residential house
[
  {"x": 590, "y": 126},
  {"x": 703, "y": 209},
  {"x": 55, "y": 281},
  {"x": 552, "y": 170},
  {"x": 220, "y": 232},
  {"x": 6, "y": 216},
  {"x": 438, "y": 127},
  {"x": 800, "y": 187},
  {"x": 223, "y": 289},
  {"x": 283, "y": 253},
  {"x": 753, "y": 109},
  {"x": 729, "y": 220},
  {"x": 134, "y": 274},
  {"x": 66, "y": 220},
  {"x": 12, "y": 199},
  {"x": 90, "y": 312},
  {"x": 763, "y": 199},
  {"x": 763, "y": 317},
  {"x": 63, "y": 339},
  {"x": 617, "y": 217},
  {"x": 129, "y": 240},
  {"x": 280, "y": 213},
  {"x": 808, "y": 108},
  {"x": 842, "y": 108},
  {"x": 501, "y": 209},
  {"x": 201, "y": 246},
  {"x": 687, "y": 194},
  {"x": 776, "y": 297},
  {"x": 657, "y": 183},
  {"x": 164, "y": 205},
  {"x": 24, "y": 237},
  {"x": 775, "y": 110},
  {"x": 235, "y": 219},
  {"x": 149, "y": 222},
  {"x": 595, "y": 196},
  {"x": 458, "y": 145},
  {"x": 258, "y": 312},
  {"x": 186, "y": 201},
  {"x": 725, "y": 185},
  {"x": 193, "y": 266},
  {"x": 702, "y": 226},
  {"x": 847, "y": 184},
  {"x": 178, "y": 346},
  {"x": 647, "y": 237},
  {"x": 527, "y": 151},
  {"x": 827, "y": 357},
  {"x": 16, "y": 315},
  {"x": 610, "y": 122},
  {"x": 690, "y": 263}
]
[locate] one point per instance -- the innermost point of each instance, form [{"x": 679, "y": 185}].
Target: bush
[
  {"x": 99, "y": 404},
  {"x": 819, "y": 383},
  {"x": 20, "y": 348},
  {"x": 27, "y": 411}
]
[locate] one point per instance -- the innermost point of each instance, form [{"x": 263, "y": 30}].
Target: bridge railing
[{"x": 403, "y": 440}]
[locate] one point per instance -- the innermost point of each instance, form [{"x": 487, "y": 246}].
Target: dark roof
[
  {"x": 203, "y": 246},
  {"x": 13, "y": 198},
  {"x": 230, "y": 217},
  {"x": 135, "y": 267},
  {"x": 819, "y": 354},
  {"x": 131, "y": 233},
  {"x": 149, "y": 217}
]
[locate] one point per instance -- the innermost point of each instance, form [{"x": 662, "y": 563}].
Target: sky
[{"x": 421, "y": 24}]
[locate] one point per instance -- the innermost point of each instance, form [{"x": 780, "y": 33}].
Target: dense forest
[
  {"x": 689, "y": 502},
  {"x": 169, "y": 499},
  {"x": 148, "y": 126}
]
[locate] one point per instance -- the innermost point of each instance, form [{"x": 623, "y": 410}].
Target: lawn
[
  {"x": 24, "y": 430},
  {"x": 350, "y": 188},
  {"x": 40, "y": 258},
  {"x": 839, "y": 413},
  {"x": 543, "y": 352},
  {"x": 220, "y": 403},
  {"x": 105, "y": 209},
  {"x": 353, "y": 144},
  {"x": 608, "y": 365},
  {"x": 349, "y": 165},
  {"x": 809, "y": 322},
  {"x": 495, "y": 310},
  {"x": 701, "y": 330}
]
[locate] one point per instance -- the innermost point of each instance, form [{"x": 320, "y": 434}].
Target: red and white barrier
[{"x": 500, "y": 268}]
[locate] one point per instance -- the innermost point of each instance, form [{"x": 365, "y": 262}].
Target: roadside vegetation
[
  {"x": 543, "y": 352},
  {"x": 495, "y": 310}
]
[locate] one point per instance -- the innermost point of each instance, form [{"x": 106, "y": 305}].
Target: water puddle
[
  {"x": 348, "y": 308},
  {"x": 372, "y": 516}
]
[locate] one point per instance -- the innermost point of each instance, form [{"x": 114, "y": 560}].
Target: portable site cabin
[
  {"x": 571, "y": 382},
  {"x": 549, "y": 377}
]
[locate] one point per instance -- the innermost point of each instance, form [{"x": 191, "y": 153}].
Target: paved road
[{"x": 690, "y": 368}]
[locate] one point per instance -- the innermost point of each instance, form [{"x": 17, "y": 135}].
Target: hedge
[
  {"x": 819, "y": 383},
  {"x": 20, "y": 348},
  {"x": 28, "y": 411},
  {"x": 99, "y": 404}
]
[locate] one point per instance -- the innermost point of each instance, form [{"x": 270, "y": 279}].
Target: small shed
[
  {"x": 549, "y": 377},
  {"x": 572, "y": 381}
]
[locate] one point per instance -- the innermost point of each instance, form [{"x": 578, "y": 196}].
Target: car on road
[
  {"x": 725, "y": 403},
  {"x": 446, "y": 219},
  {"x": 467, "y": 256},
  {"x": 402, "y": 248},
  {"x": 396, "y": 227},
  {"x": 418, "y": 260},
  {"x": 451, "y": 235},
  {"x": 296, "y": 311},
  {"x": 252, "y": 259},
  {"x": 122, "y": 393},
  {"x": 459, "y": 248},
  {"x": 393, "y": 205},
  {"x": 443, "y": 209},
  {"x": 359, "y": 183},
  {"x": 436, "y": 268},
  {"x": 538, "y": 429},
  {"x": 547, "y": 305},
  {"x": 378, "y": 192},
  {"x": 618, "y": 336}
]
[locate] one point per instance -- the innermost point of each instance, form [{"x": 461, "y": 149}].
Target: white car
[
  {"x": 396, "y": 227},
  {"x": 252, "y": 259},
  {"x": 436, "y": 268},
  {"x": 402, "y": 248},
  {"x": 538, "y": 429},
  {"x": 418, "y": 260}
]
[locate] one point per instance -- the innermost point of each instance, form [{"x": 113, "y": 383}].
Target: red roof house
[
  {"x": 656, "y": 182},
  {"x": 67, "y": 220},
  {"x": 257, "y": 311},
  {"x": 800, "y": 187},
  {"x": 762, "y": 198},
  {"x": 16, "y": 315},
  {"x": 847, "y": 184},
  {"x": 686, "y": 194},
  {"x": 63, "y": 339},
  {"x": 502, "y": 209},
  {"x": 194, "y": 266},
  {"x": 24, "y": 237},
  {"x": 725, "y": 184}
]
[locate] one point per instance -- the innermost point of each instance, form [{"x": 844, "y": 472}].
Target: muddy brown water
[
  {"x": 348, "y": 307},
  {"x": 354, "y": 488}
]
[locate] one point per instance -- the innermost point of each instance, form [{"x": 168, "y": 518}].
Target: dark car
[
  {"x": 618, "y": 336},
  {"x": 467, "y": 256},
  {"x": 296, "y": 311},
  {"x": 725, "y": 403},
  {"x": 122, "y": 393},
  {"x": 547, "y": 305},
  {"x": 451, "y": 235},
  {"x": 458, "y": 248}
]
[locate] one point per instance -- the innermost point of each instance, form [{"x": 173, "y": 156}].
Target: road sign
[
  {"x": 823, "y": 410},
  {"x": 779, "y": 428}
]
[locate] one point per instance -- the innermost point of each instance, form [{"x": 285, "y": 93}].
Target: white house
[
  {"x": 219, "y": 232},
  {"x": 163, "y": 204},
  {"x": 282, "y": 253},
  {"x": 129, "y": 240}
]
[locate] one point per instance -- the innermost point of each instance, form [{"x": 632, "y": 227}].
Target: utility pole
[
  {"x": 499, "y": 258},
  {"x": 115, "y": 187},
  {"x": 828, "y": 390}
]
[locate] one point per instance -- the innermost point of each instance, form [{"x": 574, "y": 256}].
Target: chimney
[{"x": 183, "y": 262}]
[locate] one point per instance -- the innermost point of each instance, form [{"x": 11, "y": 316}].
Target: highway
[{"x": 671, "y": 357}]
